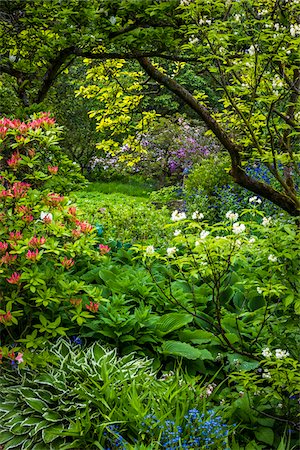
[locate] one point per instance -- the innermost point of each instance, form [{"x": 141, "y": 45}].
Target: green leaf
[
  {"x": 184, "y": 350},
  {"x": 51, "y": 433},
  {"x": 265, "y": 435},
  {"x": 16, "y": 441},
  {"x": 5, "y": 436},
  {"x": 52, "y": 416},
  {"x": 171, "y": 322},
  {"x": 36, "y": 404}
]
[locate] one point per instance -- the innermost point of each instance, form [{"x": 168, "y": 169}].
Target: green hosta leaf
[
  {"x": 41, "y": 425},
  {"x": 171, "y": 322},
  {"x": 52, "y": 416},
  {"x": 31, "y": 421},
  {"x": 7, "y": 407},
  {"x": 198, "y": 337},
  {"x": 39, "y": 446},
  {"x": 51, "y": 433},
  {"x": 176, "y": 348},
  {"x": 16, "y": 441},
  {"x": 18, "y": 429},
  {"x": 5, "y": 436},
  {"x": 264, "y": 434},
  {"x": 36, "y": 404}
]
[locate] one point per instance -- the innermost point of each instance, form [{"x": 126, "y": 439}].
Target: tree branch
[
  {"x": 291, "y": 205},
  {"x": 52, "y": 72}
]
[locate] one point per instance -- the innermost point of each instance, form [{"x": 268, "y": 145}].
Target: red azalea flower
[
  {"x": 104, "y": 249},
  {"x": 8, "y": 259},
  {"x": 32, "y": 255},
  {"x": 3, "y": 247},
  {"x": 53, "y": 169},
  {"x": 36, "y": 242},
  {"x": 14, "y": 279},
  {"x": 93, "y": 307},
  {"x": 67, "y": 263}
]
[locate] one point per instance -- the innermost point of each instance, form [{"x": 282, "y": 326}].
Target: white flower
[
  {"x": 177, "y": 232},
  {"x": 150, "y": 250},
  {"x": 196, "y": 215},
  {"x": 266, "y": 221},
  {"x": 252, "y": 240},
  {"x": 272, "y": 258},
  {"x": 254, "y": 200},
  {"x": 238, "y": 243},
  {"x": 266, "y": 352},
  {"x": 46, "y": 215},
  {"x": 171, "y": 251},
  {"x": 176, "y": 216},
  {"x": 251, "y": 50},
  {"x": 197, "y": 243},
  {"x": 232, "y": 216},
  {"x": 238, "y": 228},
  {"x": 266, "y": 374},
  {"x": 280, "y": 354},
  {"x": 295, "y": 29},
  {"x": 259, "y": 290},
  {"x": 204, "y": 234}
]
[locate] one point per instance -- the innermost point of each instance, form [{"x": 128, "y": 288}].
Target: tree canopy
[{"x": 248, "y": 51}]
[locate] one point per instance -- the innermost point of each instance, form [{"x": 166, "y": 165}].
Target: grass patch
[
  {"x": 134, "y": 188},
  {"x": 124, "y": 211}
]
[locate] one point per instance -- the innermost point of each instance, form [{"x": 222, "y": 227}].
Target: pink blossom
[
  {"x": 93, "y": 307},
  {"x": 15, "y": 235},
  {"x": 36, "y": 242},
  {"x": 67, "y": 263},
  {"x": 8, "y": 259},
  {"x": 14, "y": 279},
  {"x": 3, "y": 247},
  {"x": 32, "y": 255},
  {"x": 72, "y": 210},
  {"x": 104, "y": 249},
  {"x": 14, "y": 160},
  {"x": 53, "y": 169},
  {"x": 5, "y": 318},
  {"x": 19, "y": 358}
]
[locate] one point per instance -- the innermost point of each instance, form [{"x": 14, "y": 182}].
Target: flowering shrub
[
  {"x": 43, "y": 241},
  {"x": 30, "y": 153},
  {"x": 167, "y": 153}
]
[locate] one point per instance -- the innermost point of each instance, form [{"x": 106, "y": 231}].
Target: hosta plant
[{"x": 78, "y": 400}]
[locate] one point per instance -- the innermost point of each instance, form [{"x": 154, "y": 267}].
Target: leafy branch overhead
[{"x": 248, "y": 52}]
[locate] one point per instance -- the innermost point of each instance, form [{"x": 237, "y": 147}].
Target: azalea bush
[
  {"x": 43, "y": 239},
  {"x": 30, "y": 152}
]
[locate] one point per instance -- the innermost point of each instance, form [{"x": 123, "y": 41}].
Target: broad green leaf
[{"x": 184, "y": 350}]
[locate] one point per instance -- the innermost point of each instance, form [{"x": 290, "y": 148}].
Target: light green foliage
[
  {"x": 123, "y": 217},
  {"x": 117, "y": 88},
  {"x": 207, "y": 175}
]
